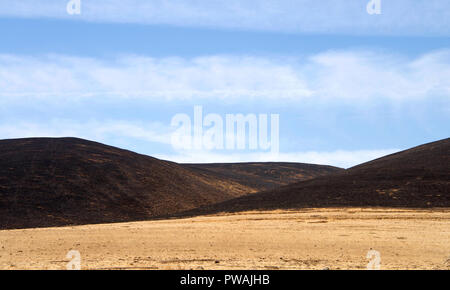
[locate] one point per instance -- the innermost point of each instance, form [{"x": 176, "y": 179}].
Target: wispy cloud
[
  {"x": 336, "y": 75},
  {"x": 325, "y": 16}
]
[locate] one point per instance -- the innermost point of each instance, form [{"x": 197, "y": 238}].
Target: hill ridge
[
  {"x": 63, "y": 181},
  {"x": 414, "y": 178}
]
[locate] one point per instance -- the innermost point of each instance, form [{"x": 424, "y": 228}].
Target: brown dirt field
[{"x": 302, "y": 239}]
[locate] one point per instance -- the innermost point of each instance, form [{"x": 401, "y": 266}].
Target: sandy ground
[{"x": 307, "y": 239}]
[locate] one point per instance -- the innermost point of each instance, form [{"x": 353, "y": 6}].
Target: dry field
[{"x": 306, "y": 239}]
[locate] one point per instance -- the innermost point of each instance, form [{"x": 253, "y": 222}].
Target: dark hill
[
  {"x": 415, "y": 178},
  {"x": 67, "y": 181}
]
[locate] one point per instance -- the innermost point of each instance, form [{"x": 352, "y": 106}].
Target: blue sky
[{"x": 348, "y": 86}]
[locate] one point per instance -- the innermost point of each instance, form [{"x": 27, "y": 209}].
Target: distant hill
[
  {"x": 415, "y": 178},
  {"x": 263, "y": 176},
  {"x": 68, "y": 181}
]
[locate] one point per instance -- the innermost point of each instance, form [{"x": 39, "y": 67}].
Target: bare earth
[{"x": 306, "y": 239}]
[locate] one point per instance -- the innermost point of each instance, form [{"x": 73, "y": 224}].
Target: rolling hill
[
  {"x": 415, "y": 178},
  {"x": 68, "y": 181}
]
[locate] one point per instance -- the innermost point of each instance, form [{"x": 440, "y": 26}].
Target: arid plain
[{"x": 333, "y": 238}]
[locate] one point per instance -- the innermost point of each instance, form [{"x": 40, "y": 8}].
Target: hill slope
[
  {"x": 418, "y": 177},
  {"x": 62, "y": 181}
]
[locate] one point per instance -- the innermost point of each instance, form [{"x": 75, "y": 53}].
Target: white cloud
[
  {"x": 334, "y": 75},
  {"x": 144, "y": 77},
  {"x": 365, "y": 75},
  {"x": 339, "y": 158},
  {"x": 324, "y": 16}
]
